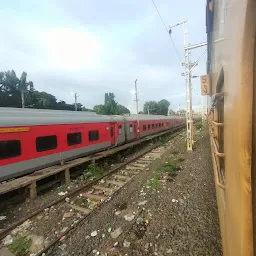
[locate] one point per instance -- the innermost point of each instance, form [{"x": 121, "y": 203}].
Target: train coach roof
[
  {"x": 149, "y": 117},
  {"x": 25, "y": 117}
]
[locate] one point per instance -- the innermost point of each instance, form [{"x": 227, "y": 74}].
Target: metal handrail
[
  {"x": 215, "y": 168},
  {"x": 216, "y": 152},
  {"x": 217, "y": 124}
]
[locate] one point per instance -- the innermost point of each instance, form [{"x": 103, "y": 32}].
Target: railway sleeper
[
  {"x": 94, "y": 197},
  {"x": 122, "y": 177},
  {"x": 130, "y": 167},
  {"x": 102, "y": 188},
  {"x": 117, "y": 183},
  {"x": 79, "y": 208},
  {"x": 128, "y": 172},
  {"x": 138, "y": 167}
]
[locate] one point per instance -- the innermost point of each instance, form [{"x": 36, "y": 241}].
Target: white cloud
[{"x": 72, "y": 49}]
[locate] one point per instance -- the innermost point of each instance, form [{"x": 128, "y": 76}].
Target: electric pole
[
  {"x": 188, "y": 66},
  {"x": 137, "y": 108},
  {"x": 75, "y": 96},
  {"x": 22, "y": 98}
]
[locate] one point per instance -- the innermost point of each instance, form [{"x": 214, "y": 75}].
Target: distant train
[{"x": 31, "y": 139}]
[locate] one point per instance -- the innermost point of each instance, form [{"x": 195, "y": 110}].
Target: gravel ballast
[{"x": 156, "y": 216}]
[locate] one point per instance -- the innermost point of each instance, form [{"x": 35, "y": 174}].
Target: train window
[
  {"x": 131, "y": 127},
  {"x": 74, "y": 138},
  {"x": 93, "y": 135},
  {"x": 162, "y": 124},
  {"x": 120, "y": 129},
  {"x": 156, "y": 125},
  {"x": 46, "y": 143},
  {"x": 149, "y": 127},
  {"x": 9, "y": 149},
  {"x": 144, "y": 127},
  {"x": 159, "y": 124},
  {"x": 153, "y": 126}
]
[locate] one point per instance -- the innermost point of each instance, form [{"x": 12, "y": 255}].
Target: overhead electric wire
[{"x": 166, "y": 28}]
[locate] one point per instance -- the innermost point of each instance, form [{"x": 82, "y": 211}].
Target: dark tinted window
[
  {"x": 9, "y": 149},
  {"x": 149, "y": 127},
  {"x": 144, "y": 127},
  {"x": 74, "y": 138},
  {"x": 93, "y": 135},
  {"x": 46, "y": 143},
  {"x": 153, "y": 126}
]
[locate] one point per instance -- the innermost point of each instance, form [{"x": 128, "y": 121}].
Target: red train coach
[{"x": 31, "y": 139}]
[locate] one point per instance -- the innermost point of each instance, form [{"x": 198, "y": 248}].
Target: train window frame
[
  {"x": 153, "y": 126},
  {"x": 74, "y": 138},
  {"x": 93, "y": 135},
  {"x": 131, "y": 128},
  {"x": 14, "y": 153},
  {"x": 144, "y": 127},
  {"x": 46, "y": 143},
  {"x": 120, "y": 127},
  {"x": 149, "y": 126}
]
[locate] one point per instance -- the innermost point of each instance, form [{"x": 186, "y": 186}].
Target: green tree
[
  {"x": 9, "y": 92},
  {"x": 122, "y": 109},
  {"x": 150, "y": 107},
  {"x": 172, "y": 112},
  {"x": 163, "y": 106},
  {"x": 110, "y": 107},
  {"x": 156, "y": 108},
  {"x": 99, "y": 109}
]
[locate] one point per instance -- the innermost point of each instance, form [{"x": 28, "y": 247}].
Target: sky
[{"x": 95, "y": 46}]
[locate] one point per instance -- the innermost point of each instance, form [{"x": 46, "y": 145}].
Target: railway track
[{"x": 75, "y": 207}]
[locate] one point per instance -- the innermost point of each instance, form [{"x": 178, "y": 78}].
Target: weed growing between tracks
[
  {"x": 93, "y": 171},
  {"x": 166, "y": 172},
  {"x": 20, "y": 246}
]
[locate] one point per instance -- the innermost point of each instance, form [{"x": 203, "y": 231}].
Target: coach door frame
[{"x": 112, "y": 133}]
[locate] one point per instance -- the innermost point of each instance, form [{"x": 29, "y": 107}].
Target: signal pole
[{"x": 137, "y": 108}]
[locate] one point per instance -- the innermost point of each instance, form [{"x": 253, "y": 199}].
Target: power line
[{"x": 166, "y": 28}]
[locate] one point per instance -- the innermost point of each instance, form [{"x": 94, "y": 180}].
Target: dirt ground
[{"x": 156, "y": 216}]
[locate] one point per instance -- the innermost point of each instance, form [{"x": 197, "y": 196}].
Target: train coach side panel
[
  {"x": 91, "y": 138},
  {"x": 232, "y": 53}
]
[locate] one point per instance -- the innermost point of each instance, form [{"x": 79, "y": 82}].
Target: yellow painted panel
[
  {"x": 14, "y": 129},
  {"x": 205, "y": 84}
]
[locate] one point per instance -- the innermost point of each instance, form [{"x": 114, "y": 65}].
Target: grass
[
  {"x": 170, "y": 168},
  {"x": 92, "y": 172},
  {"x": 154, "y": 182},
  {"x": 171, "y": 165},
  {"x": 20, "y": 246},
  {"x": 199, "y": 125}
]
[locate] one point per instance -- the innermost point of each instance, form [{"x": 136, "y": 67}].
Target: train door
[
  {"x": 135, "y": 130},
  {"x": 112, "y": 134}
]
